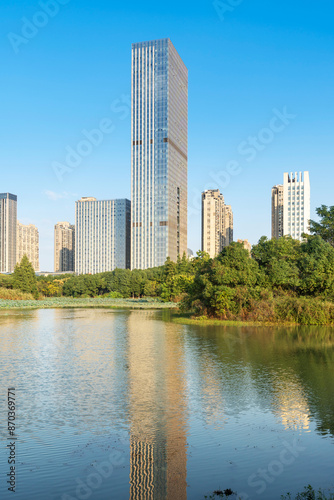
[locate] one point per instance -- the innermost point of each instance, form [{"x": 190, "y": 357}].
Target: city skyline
[{"x": 261, "y": 62}]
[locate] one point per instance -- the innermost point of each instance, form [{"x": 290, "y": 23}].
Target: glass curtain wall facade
[
  {"x": 159, "y": 160},
  {"x": 102, "y": 235},
  {"x": 8, "y": 232}
]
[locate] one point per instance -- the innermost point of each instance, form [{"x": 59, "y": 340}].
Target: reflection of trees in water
[{"x": 287, "y": 369}]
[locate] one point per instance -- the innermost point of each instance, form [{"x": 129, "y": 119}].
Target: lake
[{"x": 129, "y": 405}]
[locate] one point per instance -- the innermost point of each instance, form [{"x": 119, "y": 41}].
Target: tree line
[{"x": 282, "y": 279}]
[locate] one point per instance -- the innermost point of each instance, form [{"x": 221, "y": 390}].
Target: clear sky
[{"x": 248, "y": 60}]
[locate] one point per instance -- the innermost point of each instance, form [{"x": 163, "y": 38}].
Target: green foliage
[
  {"x": 284, "y": 280},
  {"x": 9, "y": 294},
  {"x": 24, "y": 277},
  {"x": 50, "y": 288},
  {"x": 278, "y": 259},
  {"x": 86, "y": 285},
  {"x": 324, "y": 228},
  {"x": 316, "y": 267},
  {"x": 6, "y": 281}
]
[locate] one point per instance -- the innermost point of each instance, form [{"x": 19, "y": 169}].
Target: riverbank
[
  {"x": 191, "y": 320},
  {"x": 86, "y": 303}
]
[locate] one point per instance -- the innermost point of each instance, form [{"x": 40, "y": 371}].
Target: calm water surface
[{"x": 128, "y": 405}]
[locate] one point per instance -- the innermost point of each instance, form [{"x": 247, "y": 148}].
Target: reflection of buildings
[
  {"x": 158, "y": 454},
  {"x": 291, "y": 405}
]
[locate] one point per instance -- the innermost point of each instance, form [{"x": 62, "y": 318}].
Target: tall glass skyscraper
[{"x": 159, "y": 160}]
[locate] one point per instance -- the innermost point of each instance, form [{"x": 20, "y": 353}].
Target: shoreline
[{"x": 184, "y": 319}]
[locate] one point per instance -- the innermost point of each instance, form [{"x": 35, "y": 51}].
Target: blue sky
[{"x": 248, "y": 61}]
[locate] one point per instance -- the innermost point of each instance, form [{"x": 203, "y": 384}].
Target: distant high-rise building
[
  {"x": 159, "y": 154},
  {"x": 247, "y": 245},
  {"x": 102, "y": 235},
  {"x": 297, "y": 204},
  {"x": 64, "y": 247},
  {"x": 277, "y": 211},
  {"x": 8, "y": 230},
  {"x": 27, "y": 243},
  {"x": 217, "y": 223}
]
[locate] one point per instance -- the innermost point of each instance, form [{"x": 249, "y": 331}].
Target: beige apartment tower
[
  {"x": 27, "y": 243},
  {"x": 217, "y": 223},
  {"x": 277, "y": 210},
  {"x": 8, "y": 230},
  {"x": 64, "y": 247}
]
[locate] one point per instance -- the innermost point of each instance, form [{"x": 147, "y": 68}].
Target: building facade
[
  {"x": 247, "y": 245},
  {"x": 277, "y": 211},
  {"x": 8, "y": 232},
  {"x": 64, "y": 247},
  {"x": 159, "y": 162},
  {"x": 27, "y": 243},
  {"x": 217, "y": 223},
  {"x": 297, "y": 204},
  {"x": 102, "y": 235}
]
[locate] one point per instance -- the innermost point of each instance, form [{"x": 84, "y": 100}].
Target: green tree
[
  {"x": 317, "y": 267},
  {"x": 278, "y": 259},
  {"x": 24, "y": 277},
  {"x": 324, "y": 228},
  {"x": 170, "y": 268}
]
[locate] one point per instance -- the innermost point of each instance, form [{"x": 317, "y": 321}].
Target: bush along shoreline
[
  {"x": 282, "y": 281},
  {"x": 308, "y": 493}
]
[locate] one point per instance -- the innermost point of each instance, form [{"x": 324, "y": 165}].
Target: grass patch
[
  {"x": 189, "y": 319},
  {"x": 8, "y": 294}
]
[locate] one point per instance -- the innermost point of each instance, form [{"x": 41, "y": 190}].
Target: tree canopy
[{"x": 324, "y": 228}]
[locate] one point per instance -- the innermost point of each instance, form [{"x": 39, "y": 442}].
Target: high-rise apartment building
[
  {"x": 297, "y": 204},
  {"x": 247, "y": 245},
  {"x": 8, "y": 230},
  {"x": 159, "y": 154},
  {"x": 277, "y": 211},
  {"x": 102, "y": 235},
  {"x": 217, "y": 223},
  {"x": 64, "y": 247},
  {"x": 27, "y": 243}
]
